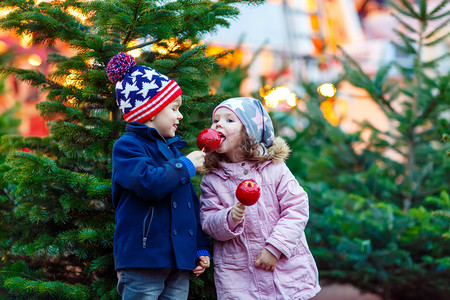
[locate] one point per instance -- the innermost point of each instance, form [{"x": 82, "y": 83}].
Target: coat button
[
  {"x": 191, "y": 232},
  {"x": 183, "y": 180},
  {"x": 189, "y": 205},
  {"x": 175, "y": 232},
  {"x": 174, "y": 204},
  {"x": 243, "y": 164},
  {"x": 245, "y": 172},
  {"x": 178, "y": 165}
]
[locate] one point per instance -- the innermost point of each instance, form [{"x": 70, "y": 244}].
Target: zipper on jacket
[{"x": 145, "y": 232}]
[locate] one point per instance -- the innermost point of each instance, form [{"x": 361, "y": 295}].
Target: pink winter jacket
[{"x": 276, "y": 222}]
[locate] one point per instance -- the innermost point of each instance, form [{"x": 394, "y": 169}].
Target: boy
[{"x": 157, "y": 239}]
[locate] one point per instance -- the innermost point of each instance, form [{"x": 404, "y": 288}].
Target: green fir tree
[
  {"x": 59, "y": 241},
  {"x": 377, "y": 222}
]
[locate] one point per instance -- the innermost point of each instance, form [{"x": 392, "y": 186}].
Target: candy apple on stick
[
  {"x": 208, "y": 140},
  {"x": 248, "y": 192}
]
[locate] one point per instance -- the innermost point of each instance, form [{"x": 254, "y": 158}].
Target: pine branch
[
  {"x": 423, "y": 9},
  {"x": 438, "y": 40},
  {"x": 408, "y": 47},
  {"x": 126, "y": 40},
  {"x": 409, "y": 12},
  {"x": 438, "y": 28},
  {"x": 187, "y": 55},
  {"x": 434, "y": 62},
  {"x": 438, "y": 8},
  {"x": 403, "y": 23}
]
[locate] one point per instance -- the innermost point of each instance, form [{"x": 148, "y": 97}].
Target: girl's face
[{"x": 229, "y": 126}]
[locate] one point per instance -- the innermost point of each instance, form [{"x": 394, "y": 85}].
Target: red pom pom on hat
[{"x": 119, "y": 65}]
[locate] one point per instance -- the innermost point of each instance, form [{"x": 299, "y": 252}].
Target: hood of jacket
[{"x": 277, "y": 153}]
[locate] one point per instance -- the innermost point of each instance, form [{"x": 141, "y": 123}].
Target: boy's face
[
  {"x": 167, "y": 120},
  {"x": 229, "y": 126}
]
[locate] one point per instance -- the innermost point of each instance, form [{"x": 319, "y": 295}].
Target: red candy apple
[
  {"x": 248, "y": 192},
  {"x": 208, "y": 140}
]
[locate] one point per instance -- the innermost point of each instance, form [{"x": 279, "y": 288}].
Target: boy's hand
[
  {"x": 266, "y": 260},
  {"x": 197, "y": 158},
  {"x": 203, "y": 264},
  {"x": 237, "y": 212}
]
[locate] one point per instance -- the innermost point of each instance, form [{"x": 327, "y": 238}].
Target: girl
[{"x": 260, "y": 251}]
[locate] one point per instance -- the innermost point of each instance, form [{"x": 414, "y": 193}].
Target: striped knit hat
[{"x": 141, "y": 92}]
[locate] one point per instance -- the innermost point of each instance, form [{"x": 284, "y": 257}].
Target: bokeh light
[
  {"x": 34, "y": 60},
  {"x": 279, "y": 94},
  {"x": 327, "y": 90},
  {"x": 135, "y": 52}
]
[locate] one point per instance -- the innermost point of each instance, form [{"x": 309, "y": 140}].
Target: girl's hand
[
  {"x": 237, "y": 212},
  {"x": 203, "y": 264},
  {"x": 266, "y": 260},
  {"x": 197, "y": 158}
]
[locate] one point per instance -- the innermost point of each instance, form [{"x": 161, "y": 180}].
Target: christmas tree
[
  {"x": 59, "y": 240},
  {"x": 8, "y": 125}
]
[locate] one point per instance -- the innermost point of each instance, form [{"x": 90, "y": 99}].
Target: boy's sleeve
[
  {"x": 137, "y": 171},
  {"x": 190, "y": 166}
]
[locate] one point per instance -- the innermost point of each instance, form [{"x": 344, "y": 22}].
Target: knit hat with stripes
[{"x": 141, "y": 92}]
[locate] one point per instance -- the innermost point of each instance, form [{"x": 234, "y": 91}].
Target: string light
[
  {"x": 77, "y": 13},
  {"x": 291, "y": 100},
  {"x": 327, "y": 90},
  {"x": 4, "y": 11},
  {"x": 73, "y": 79},
  {"x": 170, "y": 45},
  {"x": 135, "y": 52},
  {"x": 34, "y": 60},
  {"x": 274, "y": 96},
  {"x": 26, "y": 40}
]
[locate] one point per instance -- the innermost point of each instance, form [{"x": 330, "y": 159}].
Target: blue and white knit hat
[
  {"x": 141, "y": 92},
  {"x": 253, "y": 116}
]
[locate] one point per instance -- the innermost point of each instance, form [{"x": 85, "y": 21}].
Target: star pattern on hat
[
  {"x": 148, "y": 73},
  {"x": 258, "y": 120},
  {"x": 129, "y": 88},
  {"x": 236, "y": 103},
  {"x": 135, "y": 74},
  {"x": 139, "y": 102},
  {"x": 124, "y": 104},
  {"x": 146, "y": 87}
]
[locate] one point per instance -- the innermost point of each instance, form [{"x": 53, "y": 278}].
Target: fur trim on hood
[
  {"x": 279, "y": 151},
  {"x": 276, "y": 153}
]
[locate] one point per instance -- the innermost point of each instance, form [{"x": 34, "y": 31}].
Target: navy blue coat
[{"x": 156, "y": 207}]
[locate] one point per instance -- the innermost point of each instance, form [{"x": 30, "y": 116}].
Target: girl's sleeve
[
  {"x": 294, "y": 213},
  {"x": 137, "y": 171},
  {"x": 215, "y": 217}
]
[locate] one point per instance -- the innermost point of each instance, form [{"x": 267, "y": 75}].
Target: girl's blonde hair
[{"x": 250, "y": 150}]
